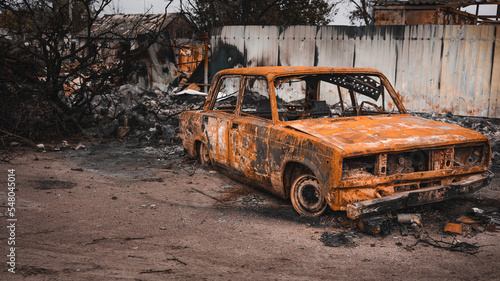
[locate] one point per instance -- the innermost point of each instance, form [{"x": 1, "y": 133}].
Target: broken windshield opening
[{"x": 332, "y": 95}]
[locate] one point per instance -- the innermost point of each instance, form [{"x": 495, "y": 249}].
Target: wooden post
[{"x": 205, "y": 63}]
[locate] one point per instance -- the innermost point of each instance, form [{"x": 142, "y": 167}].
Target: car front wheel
[{"x": 306, "y": 196}]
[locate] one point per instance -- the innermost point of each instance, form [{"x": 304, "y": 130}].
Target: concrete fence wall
[{"x": 435, "y": 68}]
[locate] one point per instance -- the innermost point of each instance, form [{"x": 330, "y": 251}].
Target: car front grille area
[{"x": 387, "y": 164}]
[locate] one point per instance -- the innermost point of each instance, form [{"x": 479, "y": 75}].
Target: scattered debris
[
  {"x": 467, "y": 220},
  {"x": 54, "y": 184},
  {"x": 454, "y": 228},
  {"x": 209, "y": 196},
  {"x": 252, "y": 199},
  {"x": 490, "y": 215},
  {"x": 455, "y": 245},
  {"x": 157, "y": 271},
  {"x": 409, "y": 218},
  {"x": 177, "y": 260},
  {"x": 378, "y": 225},
  {"x": 7, "y": 156},
  {"x": 336, "y": 239},
  {"x": 404, "y": 230},
  {"x": 115, "y": 238},
  {"x": 79, "y": 146}
]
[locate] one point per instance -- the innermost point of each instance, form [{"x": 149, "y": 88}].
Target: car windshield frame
[{"x": 352, "y": 83}]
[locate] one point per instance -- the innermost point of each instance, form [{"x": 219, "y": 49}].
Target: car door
[
  {"x": 249, "y": 132},
  {"x": 217, "y": 121}
]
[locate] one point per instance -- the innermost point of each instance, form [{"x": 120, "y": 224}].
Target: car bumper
[{"x": 418, "y": 197}]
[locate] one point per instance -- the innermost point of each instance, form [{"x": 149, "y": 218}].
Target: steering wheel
[{"x": 360, "y": 108}]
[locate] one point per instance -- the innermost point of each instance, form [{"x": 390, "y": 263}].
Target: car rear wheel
[
  {"x": 203, "y": 155},
  {"x": 306, "y": 196}
]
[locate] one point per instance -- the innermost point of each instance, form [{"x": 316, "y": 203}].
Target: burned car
[{"x": 337, "y": 137}]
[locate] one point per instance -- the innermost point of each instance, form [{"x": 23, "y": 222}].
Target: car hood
[{"x": 383, "y": 133}]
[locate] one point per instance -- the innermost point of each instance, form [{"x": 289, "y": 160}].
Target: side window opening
[
  {"x": 256, "y": 100},
  {"x": 227, "y": 94}
]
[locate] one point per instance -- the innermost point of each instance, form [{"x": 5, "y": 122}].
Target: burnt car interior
[
  {"x": 332, "y": 95},
  {"x": 307, "y": 96}
]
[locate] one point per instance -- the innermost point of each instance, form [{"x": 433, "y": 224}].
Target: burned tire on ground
[
  {"x": 203, "y": 155},
  {"x": 306, "y": 196}
]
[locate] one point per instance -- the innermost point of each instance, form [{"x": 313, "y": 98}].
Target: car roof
[{"x": 271, "y": 72}]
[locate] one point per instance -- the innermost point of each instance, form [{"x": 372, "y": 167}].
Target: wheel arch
[{"x": 293, "y": 169}]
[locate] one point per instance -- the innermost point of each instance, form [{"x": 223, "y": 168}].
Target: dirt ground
[{"x": 118, "y": 212}]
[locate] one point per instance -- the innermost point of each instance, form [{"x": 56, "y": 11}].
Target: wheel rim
[
  {"x": 307, "y": 198},
  {"x": 203, "y": 154}
]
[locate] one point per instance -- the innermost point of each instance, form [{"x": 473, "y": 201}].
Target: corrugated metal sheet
[{"x": 435, "y": 68}]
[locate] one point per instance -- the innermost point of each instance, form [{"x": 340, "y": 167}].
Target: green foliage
[{"x": 211, "y": 13}]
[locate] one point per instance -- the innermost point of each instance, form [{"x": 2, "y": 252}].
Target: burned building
[
  {"x": 435, "y": 12},
  {"x": 147, "y": 39}
]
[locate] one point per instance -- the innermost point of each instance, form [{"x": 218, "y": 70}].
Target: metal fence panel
[{"x": 435, "y": 68}]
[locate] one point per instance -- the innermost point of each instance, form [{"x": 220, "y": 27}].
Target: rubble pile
[
  {"x": 135, "y": 114},
  {"x": 486, "y": 126}
]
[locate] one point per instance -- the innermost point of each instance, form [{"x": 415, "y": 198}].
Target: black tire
[
  {"x": 307, "y": 197},
  {"x": 203, "y": 155}
]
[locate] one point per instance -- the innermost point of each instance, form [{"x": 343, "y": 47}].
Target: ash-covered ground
[{"x": 124, "y": 203}]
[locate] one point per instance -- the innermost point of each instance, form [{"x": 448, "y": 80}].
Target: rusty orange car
[{"x": 331, "y": 137}]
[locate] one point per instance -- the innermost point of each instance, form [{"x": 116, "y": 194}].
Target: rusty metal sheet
[{"x": 494, "y": 93}]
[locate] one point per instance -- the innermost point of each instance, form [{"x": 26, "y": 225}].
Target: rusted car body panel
[{"x": 275, "y": 127}]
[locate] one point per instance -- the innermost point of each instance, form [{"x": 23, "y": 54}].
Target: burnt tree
[
  {"x": 54, "y": 62},
  {"x": 362, "y": 11}
]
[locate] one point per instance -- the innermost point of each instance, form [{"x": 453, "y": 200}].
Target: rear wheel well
[
  {"x": 292, "y": 171},
  {"x": 197, "y": 144}
]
